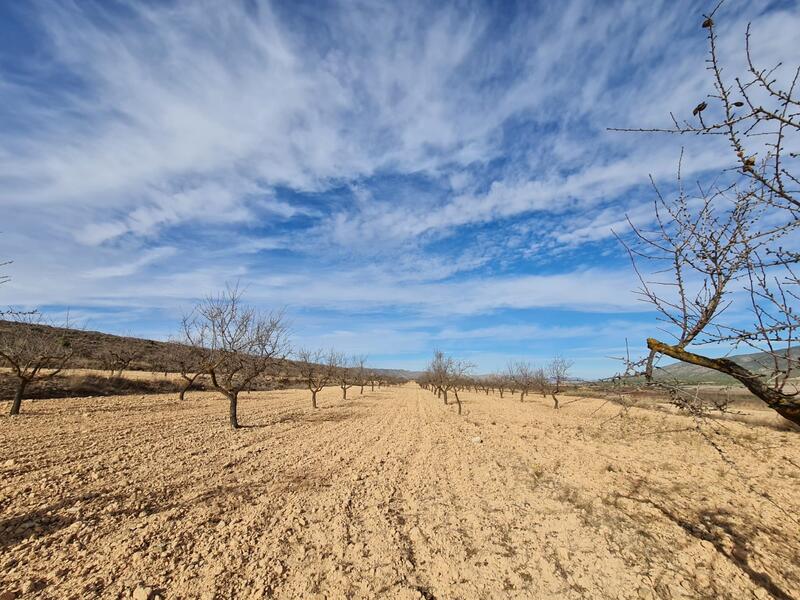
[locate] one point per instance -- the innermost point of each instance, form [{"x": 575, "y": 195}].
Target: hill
[
  {"x": 757, "y": 362},
  {"x": 92, "y": 350}
]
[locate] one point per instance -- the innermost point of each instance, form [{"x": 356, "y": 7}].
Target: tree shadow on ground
[
  {"x": 54, "y": 517},
  {"x": 730, "y": 537}
]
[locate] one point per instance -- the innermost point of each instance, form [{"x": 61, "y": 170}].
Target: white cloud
[{"x": 333, "y": 158}]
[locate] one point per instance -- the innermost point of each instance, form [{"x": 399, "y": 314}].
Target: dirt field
[{"x": 391, "y": 495}]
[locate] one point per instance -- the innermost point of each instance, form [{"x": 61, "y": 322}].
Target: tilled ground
[{"x": 391, "y": 494}]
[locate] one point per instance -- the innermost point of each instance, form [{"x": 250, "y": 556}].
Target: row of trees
[
  {"x": 235, "y": 345},
  {"x": 231, "y": 345},
  {"x": 445, "y": 376},
  {"x": 319, "y": 369}
]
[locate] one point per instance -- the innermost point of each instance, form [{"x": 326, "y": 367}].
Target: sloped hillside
[
  {"x": 91, "y": 348},
  {"x": 758, "y": 362}
]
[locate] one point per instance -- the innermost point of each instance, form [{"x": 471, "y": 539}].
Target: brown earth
[{"x": 392, "y": 495}]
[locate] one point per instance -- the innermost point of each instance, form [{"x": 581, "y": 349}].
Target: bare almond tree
[
  {"x": 499, "y": 382},
  {"x": 345, "y": 372},
  {"x": 374, "y": 379},
  {"x": 117, "y": 360},
  {"x": 728, "y": 249},
  {"x": 523, "y": 376},
  {"x": 446, "y": 374},
  {"x": 190, "y": 366},
  {"x": 236, "y": 342},
  {"x": 558, "y": 372},
  {"x": 317, "y": 369},
  {"x": 361, "y": 372},
  {"x": 32, "y": 352},
  {"x": 541, "y": 382}
]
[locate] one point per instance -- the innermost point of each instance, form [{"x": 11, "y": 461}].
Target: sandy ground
[{"x": 391, "y": 495}]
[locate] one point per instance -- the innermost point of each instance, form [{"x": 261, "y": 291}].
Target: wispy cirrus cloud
[{"x": 425, "y": 159}]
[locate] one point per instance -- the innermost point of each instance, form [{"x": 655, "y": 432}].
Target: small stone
[
  {"x": 142, "y": 592},
  {"x": 646, "y": 593},
  {"x": 9, "y": 463},
  {"x": 477, "y": 440},
  {"x": 33, "y": 585}
]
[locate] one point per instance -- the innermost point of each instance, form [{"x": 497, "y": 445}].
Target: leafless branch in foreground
[{"x": 728, "y": 249}]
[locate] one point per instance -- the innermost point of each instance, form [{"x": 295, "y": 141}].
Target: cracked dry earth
[{"x": 390, "y": 494}]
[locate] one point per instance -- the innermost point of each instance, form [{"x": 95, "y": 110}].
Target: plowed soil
[{"x": 391, "y": 494}]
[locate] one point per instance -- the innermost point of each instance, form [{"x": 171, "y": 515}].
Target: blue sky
[{"x": 398, "y": 176}]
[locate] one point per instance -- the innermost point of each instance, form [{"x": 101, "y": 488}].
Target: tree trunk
[
  {"x": 313, "y": 398},
  {"x": 188, "y": 385},
  {"x": 458, "y": 401},
  {"x": 234, "y": 398},
  {"x": 344, "y": 393},
  {"x": 445, "y": 397},
  {"x": 555, "y": 401},
  {"x": 373, "y": 387},
  {"x": 501, "y": 394},
  {"x": 362, "y": 389},
  {"x": 783, "y": 404},
  {"x": 182, "y": 395},
  {"x": 17, "y": 404}
]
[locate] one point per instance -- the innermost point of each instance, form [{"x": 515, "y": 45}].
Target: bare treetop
[
  {"x": 317, "y": 369},
  {"x": 445, "y": 374},
  {"x": 237, "y": 343}
]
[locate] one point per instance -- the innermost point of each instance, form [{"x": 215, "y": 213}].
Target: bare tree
[
  {"x": 558, "y": 372},
  {"x": 191, "y": 368},
  {"x": 727, "y": 249},
  {"x": 237, "y": 343},
  {"x": 117, "y": 360},
  {"x": 32, "y": 352},
  {"x": 523, "y": 376},
  {"x": 446, "y": 374},
  {"x": 361, "y": 372},
  {"x": 499, "y": 382},
  {"x": 374, "y": 379},
  {"x": 541, "y": 382},
  {"x": 317, "y": 370},
  {"x": 345, "y": 372}
]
